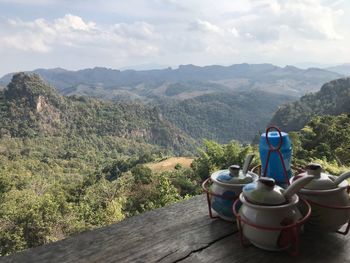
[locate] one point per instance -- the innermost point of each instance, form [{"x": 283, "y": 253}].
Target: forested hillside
[
  {"x": 55, "y": 186},
  {"x": 31, "y": 108},
  {"x": 325, "y": 138},
  {"x": 332, "y": 99},
  {"x": 223, "y": 117},
  {"x": 213, "y": 102},
  {"x": 69, "y": 164}
]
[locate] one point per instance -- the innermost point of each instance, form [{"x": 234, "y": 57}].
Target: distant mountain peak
[
  {"x": 343, "y": 69},
  {"x": 56, "y": 70},
  {"x": 291, "y": 67},
  {"x": 30, "y": 87},
  {"x": 112, "y": 84},
  {"x": 188, "y": 66}
]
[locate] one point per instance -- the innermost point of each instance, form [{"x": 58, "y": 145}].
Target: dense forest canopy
[
  {"x": 332, "y": 99},
  {"x": 326, "y": 138},
  {"x": 30, "y": 108},
  {"x": 68, "y": 164},
  {"x": 46, "y": 196},
  {"x": 223, "y": 117},
  {"x": 242, "y": 97}
]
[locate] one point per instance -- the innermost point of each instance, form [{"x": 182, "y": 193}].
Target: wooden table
[{"x": 182, "y": 232}]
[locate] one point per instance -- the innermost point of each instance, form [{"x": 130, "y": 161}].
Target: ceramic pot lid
[
  {"x": 264, "y": 192},
  {"x": 233, "y": 175},
  {"x": 321, "y": 181}
]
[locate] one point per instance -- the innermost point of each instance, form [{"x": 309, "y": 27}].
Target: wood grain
[{"x": 182, "y": 232}]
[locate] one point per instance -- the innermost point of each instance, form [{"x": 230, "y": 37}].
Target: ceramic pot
[
  {"x": 226, "y": 188},
  {"x": 266, "y": 205},
  {"x": 327, "y": 195},
  {"x": 269, "y": 216}
]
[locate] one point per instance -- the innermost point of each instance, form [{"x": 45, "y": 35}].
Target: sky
[{"x": 119, "y": 34}]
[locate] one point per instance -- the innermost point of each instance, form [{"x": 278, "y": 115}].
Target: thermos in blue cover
[{"x": 275, "y": 167}]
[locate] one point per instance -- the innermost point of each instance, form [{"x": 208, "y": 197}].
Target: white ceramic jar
[
  {"x": 226, "y": 188},
  {"x": 326, "y": 190},
  {"x": 266, "y": 205}
]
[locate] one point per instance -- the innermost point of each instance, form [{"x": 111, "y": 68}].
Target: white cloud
[
  {"x": 140, "y": 30},
  {"x": 312, "y": 19},
  {"x": 25, "y": 43},
  {"x": 121, "y": 33},
  {"x": 71, "y": 22},
  {"x": 204, "y": 26},
  {"x": 72, "y": 31},
  {"x": 234, "y": 32},
  {"x": 307, "y": 19}
]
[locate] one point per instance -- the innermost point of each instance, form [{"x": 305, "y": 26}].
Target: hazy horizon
[
  {"x": 145, "y": 67},
  {"x": 160, "y": 33}
]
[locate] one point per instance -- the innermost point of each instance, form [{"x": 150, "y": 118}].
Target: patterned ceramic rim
[
  {"x": 342, "y": 186},
  {"x": 294, "y": 201},
  {"x": 208, "y": 192},
  {"x": 297, "y": 223},
  {"x": 295, "y": 227},
  {"x": 214, "y": 176}
]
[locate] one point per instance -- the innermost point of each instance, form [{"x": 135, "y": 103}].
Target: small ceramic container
[
  {"x": 327, "y": 194},
  {"x": 226, "y": 187},
  {"x": 267, "y": 205}
]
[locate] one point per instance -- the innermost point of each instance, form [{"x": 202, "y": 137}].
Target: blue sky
[{"x": 118, "y": 34}]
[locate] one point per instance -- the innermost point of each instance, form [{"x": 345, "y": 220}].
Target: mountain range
[
  {"x": 343, "y": 69},
  {"x": 214, "y": 102},
  {"x": 187, "y": 81}
]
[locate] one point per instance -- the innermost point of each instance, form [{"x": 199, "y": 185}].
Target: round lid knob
[
  {"x": 268, "y": 182},
  {"x": 321, "y": 181},
  {"x": 234, "y": 170},
  {"x": 233, "y": 175},
  {"x": 314, "y": 169},
  {"x": 264, "y": 192}
]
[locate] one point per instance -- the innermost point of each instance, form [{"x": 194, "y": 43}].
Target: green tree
[{"x": 142, "y": 174}]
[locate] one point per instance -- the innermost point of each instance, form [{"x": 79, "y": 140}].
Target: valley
[
  {"x": 212, "y": 102},
  {"x": 75, "y": 163}
]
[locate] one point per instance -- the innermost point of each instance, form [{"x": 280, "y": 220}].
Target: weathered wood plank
[
  {"x": 314, "y": 248},
  {"x": 179, "y": 233},
  {"x": 163, "y": 235}
]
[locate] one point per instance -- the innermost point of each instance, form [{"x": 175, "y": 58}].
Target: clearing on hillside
[{"x": 169, "y": 164}]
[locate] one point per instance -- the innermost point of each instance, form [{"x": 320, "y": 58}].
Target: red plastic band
[
  {"x": 210, "y": 194},
  {"x": 297, "y": 223},
  {"x": 275, "y": 149},
  {"x": 295, "y": 227},
  {"x": 267, "y": 138}
]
